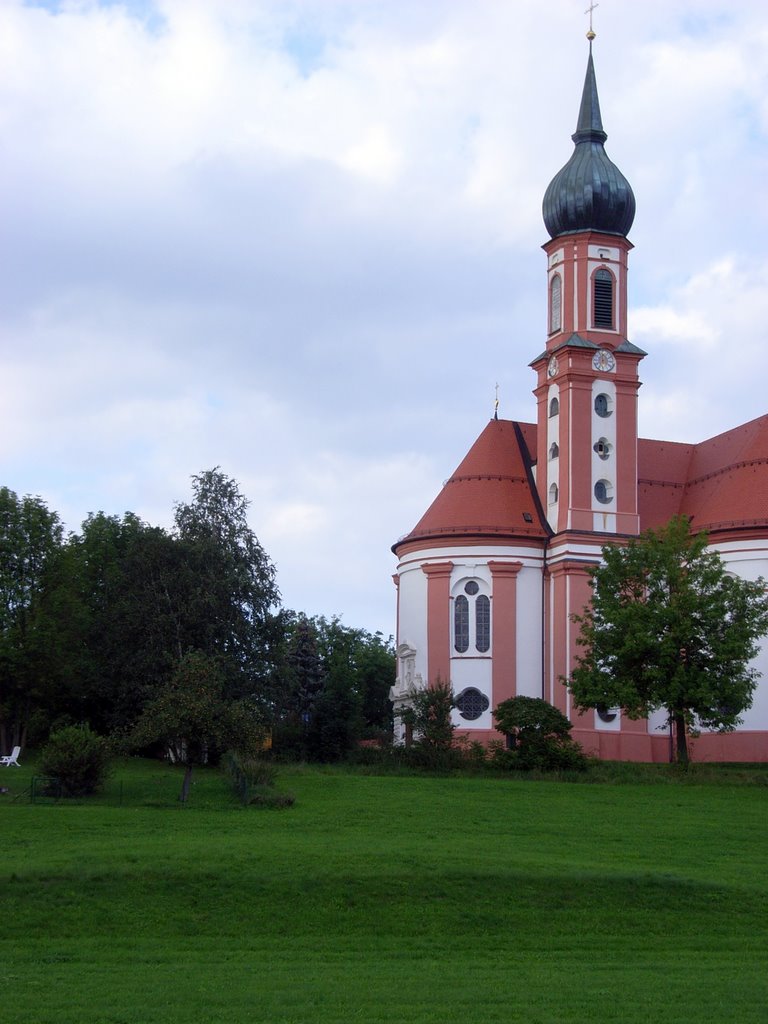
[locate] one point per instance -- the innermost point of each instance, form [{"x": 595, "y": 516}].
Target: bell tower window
[
  {"x": 602, "y": 296},
  {"x": 554, "y": 408},
  {"x": 555, "y": 303}
]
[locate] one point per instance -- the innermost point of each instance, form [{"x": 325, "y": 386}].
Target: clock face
[
  {"x": 552, "y": 367},
  {"x": 603, "y": 360}
]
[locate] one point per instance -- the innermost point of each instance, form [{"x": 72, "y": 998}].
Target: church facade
[{"x": 489, "y": 578}]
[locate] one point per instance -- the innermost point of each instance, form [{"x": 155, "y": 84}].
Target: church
[{"x": 489, "y": 578}]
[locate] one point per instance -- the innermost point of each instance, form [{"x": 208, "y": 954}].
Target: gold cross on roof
[{"x": 591, "y": 34}]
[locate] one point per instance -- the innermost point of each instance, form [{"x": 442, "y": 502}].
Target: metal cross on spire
[
  {"x": 591, "y": 33},
  {"x": 496, "y": 404}
]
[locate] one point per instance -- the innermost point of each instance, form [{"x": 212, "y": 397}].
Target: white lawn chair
[{"x": 12, "y": 758}]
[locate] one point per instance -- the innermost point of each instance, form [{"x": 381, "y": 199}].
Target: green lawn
[{"x": 398, "y": 899}]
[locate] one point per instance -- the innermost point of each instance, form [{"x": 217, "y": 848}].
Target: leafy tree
[
  {"x": 30, "y": 535},
  {"x": 114, "y": 616},
  {"x": 125, "y": 601},
  {"x": 669, "y": 628},
  {"x": 540, "y": 734},
  {"x": 192, "y": 716}
]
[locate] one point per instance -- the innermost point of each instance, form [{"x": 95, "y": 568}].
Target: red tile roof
[
  {"x": 727, "y": 485},
  {"x": 721, "y": 483},
  {"x": 662, "y": 468},
  {"x": 490, "y": 493}
]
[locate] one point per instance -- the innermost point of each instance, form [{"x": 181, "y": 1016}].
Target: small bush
[
  {"x": 501, "y": 757},
  {"x": 76, "y": 760},
  {"x": 253, "y": 780},
  {"x": 254, "y": 770},
  {"x": 540, "y": 736}
]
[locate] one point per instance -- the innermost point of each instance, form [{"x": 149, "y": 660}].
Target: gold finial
[{"x": 591, "y": 33}]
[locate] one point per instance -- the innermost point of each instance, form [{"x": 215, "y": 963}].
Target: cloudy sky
[{"x": 300, "y": 240}]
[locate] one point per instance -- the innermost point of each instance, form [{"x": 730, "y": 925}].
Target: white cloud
[{"x": 301, "y": 241}]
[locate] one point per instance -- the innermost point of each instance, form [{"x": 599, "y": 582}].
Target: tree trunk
[
  {"x": 681, "y": 739},
  {"x": 186, "y": 784}
]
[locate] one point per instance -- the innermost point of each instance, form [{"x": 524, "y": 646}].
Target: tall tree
[
  {"x": 668, "y": 627},
  {"x": 229, "y": 612},
  {"x": 30, "y": 534}
]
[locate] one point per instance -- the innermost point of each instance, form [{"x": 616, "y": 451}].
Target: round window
[
  {"x": 603, "y": 405},
  {"x": 604, "y": 492},
  {"x": 471, "y": 588},
  {"x": 471, "y": 703}
]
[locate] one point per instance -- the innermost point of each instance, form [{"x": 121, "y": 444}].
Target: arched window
[
  {"x": 555, "y": 303},
  {"x": 483, "y": 623},
  {"x": 553, "y": 494},
  {"x": 461, "y": 624},
  {"x": 554, "y": 407},
  {"x": 602, "y": 296},
  {"x": 471, "y": 620},
  {"x": 554, "y": 450}
]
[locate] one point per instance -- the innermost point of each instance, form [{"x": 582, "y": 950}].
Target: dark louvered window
[
  {"x": 554, "y": 407},
  {"x": 482, "y": 623},
  {"x": 461, "y": 624},
  {"x": 603, "y": 296}
]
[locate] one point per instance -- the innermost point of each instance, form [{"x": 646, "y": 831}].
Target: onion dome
[{"x": 590, "y": 193}]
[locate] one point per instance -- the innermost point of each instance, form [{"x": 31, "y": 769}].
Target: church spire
[
  {"x": 589, "y": 127},
  {"x": 590, "y": 193}
]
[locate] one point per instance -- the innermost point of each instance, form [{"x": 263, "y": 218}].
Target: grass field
[{"x": 397, "y": 899}]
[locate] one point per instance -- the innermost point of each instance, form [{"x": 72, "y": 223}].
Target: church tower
[
  {"x": 490, "y": 578},
  {"x": 587, "y": 376},
  {"x": 587, "y": 385}
]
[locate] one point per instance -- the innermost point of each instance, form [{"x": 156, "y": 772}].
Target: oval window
[
  {"x": 604, "y": 492},
  {"x": 603, "y": 405}
]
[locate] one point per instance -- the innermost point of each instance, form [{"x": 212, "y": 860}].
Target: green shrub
[
  {"x": 429, "y": 716},
  {"x": 76, "y": 760},
  {"x": 540, "y": 736},
  {"x": 253, "y": 780},
  {"x": 501, "y": 757}
]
